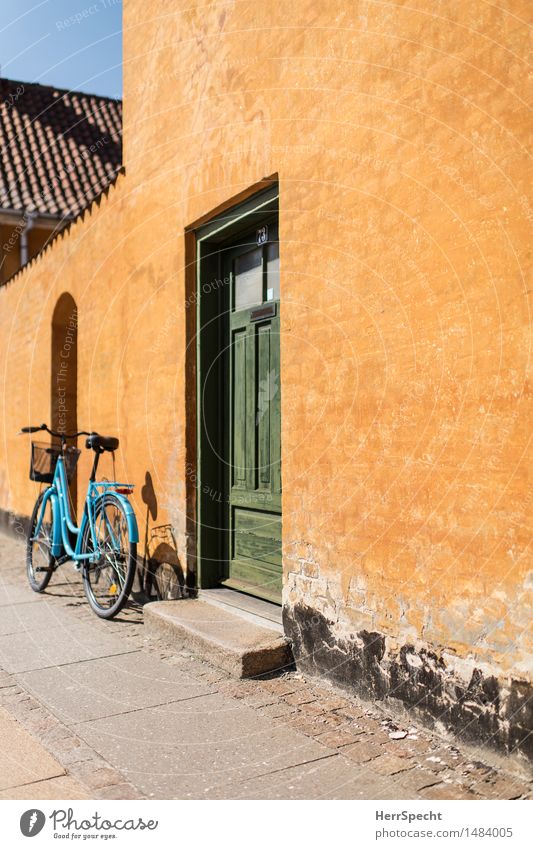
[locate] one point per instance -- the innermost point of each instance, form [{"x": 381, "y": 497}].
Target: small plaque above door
[
  {"x": 261, "y": 235},
  {"x": 260, "y": 313}
]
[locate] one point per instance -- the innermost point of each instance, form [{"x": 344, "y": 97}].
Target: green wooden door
[{"x": 254, "y": 426}]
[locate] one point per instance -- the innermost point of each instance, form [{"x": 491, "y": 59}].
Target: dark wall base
[{"x": 485, "y": 710}]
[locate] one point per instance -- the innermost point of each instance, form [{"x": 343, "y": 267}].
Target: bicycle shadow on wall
[{"x": 161, "y": 574}]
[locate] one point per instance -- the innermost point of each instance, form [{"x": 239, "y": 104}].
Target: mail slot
[{"x": 260, "y": 313}]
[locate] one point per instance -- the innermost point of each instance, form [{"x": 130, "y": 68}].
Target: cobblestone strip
[
  {"x": 416, "y": 760},
  {"x": 100, "y": 779}
]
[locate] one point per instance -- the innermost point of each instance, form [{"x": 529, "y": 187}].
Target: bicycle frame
[{"x": 63, "y": 525}]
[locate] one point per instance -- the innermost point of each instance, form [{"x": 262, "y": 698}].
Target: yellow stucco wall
[{"x": 399, "y": 132}]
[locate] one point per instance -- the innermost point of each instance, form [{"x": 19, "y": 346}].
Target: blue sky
[{"x": 73, "y": 44}]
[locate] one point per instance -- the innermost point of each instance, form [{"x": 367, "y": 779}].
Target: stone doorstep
[{"x": 222, "y": 637}]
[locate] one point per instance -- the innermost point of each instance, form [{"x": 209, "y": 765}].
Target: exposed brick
[
  {"x": 310, "y": 570},
  {"x": 237, "y": 689},
  {"x": 300, "y": 697},
  {"x": 435, "y": 765},
  {"x": 476, "y": 770},
  {"x": 279, "y": 687},
  {"x": 502, "y": 787},
  {"x": 389, "y": 765},
  {"x": 259, "y": 699},
  {"x": 446, "y": 756},
  {"x": 278, "y": 709},
  {"x": 306, "y": 726},
  {"x": 416, "y": 779},
  {"x": 336, "y": 739},
  {"x": 447, "y": 791},
  {"x": 381, "y": 738},
  {"x": 332, "y": 720},
  {"x": 373, "y": 725},
  {"x": 333, "y": 704},
  {"x": 416, "y": 748},
  {"x": 350, "y": 712},
  {"x": 398, "y": 750},
  {"x": 312, "y": 709}
]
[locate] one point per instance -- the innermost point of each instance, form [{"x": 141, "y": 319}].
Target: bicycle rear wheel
[
  {"x": 40, "y": 562},
  {"x": 108, "y": 581}
]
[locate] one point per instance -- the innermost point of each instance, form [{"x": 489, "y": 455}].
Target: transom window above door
[{"x": 256, "y": 276}]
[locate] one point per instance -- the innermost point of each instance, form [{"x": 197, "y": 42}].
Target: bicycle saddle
[{"x": 101, "y": 443}]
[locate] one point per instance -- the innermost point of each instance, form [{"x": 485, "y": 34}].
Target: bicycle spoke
[{"x": 107, "y": 578}]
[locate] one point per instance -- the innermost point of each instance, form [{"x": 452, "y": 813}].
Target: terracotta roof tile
[{"x": 59, "y": 149}]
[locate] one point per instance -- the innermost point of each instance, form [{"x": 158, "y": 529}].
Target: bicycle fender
[{"x": 131, "y": 519}]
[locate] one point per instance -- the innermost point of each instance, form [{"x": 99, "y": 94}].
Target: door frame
[{"x": 209, "y": 504}]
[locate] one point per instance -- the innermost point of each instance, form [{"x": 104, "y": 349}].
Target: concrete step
[
  {"x": 220, "y": 636},
  {"x": 256, "y": 610}
]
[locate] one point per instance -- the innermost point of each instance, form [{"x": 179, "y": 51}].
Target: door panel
[
  {"x": 254, "y": 557},
  {"x": 265, "y": 377},
  {"x": 239, "y": 465},
  {"x": 257, "y": 536}
]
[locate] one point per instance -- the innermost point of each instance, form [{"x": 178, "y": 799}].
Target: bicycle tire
[
  {"x": 43, "y": 545},
  {"x": 116, "y": 566}
]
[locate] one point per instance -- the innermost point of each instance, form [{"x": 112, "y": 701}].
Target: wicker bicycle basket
[{"x": 44, "y": 461}]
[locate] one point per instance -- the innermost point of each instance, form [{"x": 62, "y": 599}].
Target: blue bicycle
[{"x": 104, "y": 546}]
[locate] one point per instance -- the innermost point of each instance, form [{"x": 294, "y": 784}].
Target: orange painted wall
[{"x": 399, "y": 132}]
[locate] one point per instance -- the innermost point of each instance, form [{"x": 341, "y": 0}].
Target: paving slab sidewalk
[
  {"x": 102, "y": 712},
  {"x": 27, "y": 770}
]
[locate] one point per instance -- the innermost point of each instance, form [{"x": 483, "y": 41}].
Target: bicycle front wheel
[
  {"x": 108, "y": 580},
  {"x": 40, "y": 562}
]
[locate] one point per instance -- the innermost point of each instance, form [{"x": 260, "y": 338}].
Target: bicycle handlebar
[{"x": 54, "y": 432}]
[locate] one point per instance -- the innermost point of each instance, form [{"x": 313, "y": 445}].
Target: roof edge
[
  {"x": 59, "y": 89},
  {"x": 87, "y": 212}
]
